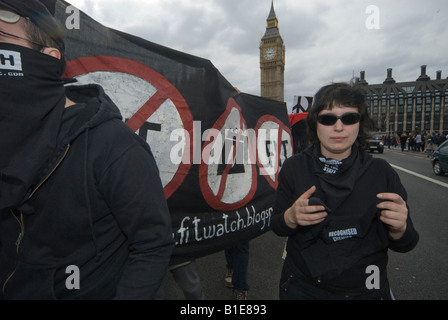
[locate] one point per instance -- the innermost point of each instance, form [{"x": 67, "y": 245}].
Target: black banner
[{"x": 218, "y": 151}]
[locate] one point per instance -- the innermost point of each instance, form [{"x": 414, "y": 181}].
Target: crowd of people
[
  {"x": 78, "y": 188},
  {"x": 425, "y": 141}
]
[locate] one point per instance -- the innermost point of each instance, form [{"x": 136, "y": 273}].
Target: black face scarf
[{"x": 32, "y": 101}]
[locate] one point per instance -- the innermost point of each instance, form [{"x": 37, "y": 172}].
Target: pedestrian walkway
[{"x": 420, "y": 154}]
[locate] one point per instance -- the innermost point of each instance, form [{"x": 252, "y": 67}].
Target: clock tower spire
[{"x": 272, "y": 60}]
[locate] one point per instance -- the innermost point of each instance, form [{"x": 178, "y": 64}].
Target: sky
[{"x": 326, "y": 40}]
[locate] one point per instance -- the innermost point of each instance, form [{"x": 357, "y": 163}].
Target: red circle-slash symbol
[
  {"x": 165, "y": 91},
  {"x": 214, "y": 190},
  {"x": 279, "y": 146}
]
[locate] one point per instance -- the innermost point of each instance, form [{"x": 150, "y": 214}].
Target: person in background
[
  {"x": 403, "y": 140},
  {"x": 418, "y": 142},
  {"x": 82, "y": 209},
  {"x": 237, "y": 263},
  {"x": 187, "y": 278},
  {"x": 430, "y": 146},
  {"x": 341, "y": 209}
]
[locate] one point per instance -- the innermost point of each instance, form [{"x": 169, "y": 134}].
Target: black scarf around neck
[
  {"x": 331, "y": 260},
  {"x": 32, "y": 101},
  {"x": 338, "y": 178}
]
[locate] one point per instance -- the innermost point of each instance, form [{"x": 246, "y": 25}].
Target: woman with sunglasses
[{"x": 341, "y": 209}]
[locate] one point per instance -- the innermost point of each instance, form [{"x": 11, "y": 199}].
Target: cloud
[{"x": 326, "y": 40}]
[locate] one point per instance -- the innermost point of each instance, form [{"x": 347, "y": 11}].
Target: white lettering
[
  {"x": 73, "y": 281},
  {"x": 373, "y": 281},
  {"x": 339, "y": 235},
  {"x": 373, "y": 20},
  {"x": 10, "y": 60},
  {"x": 73, "y": 21},
  {"x": 230, "y": 223},
  {"x": 178, "y": 150},
  {"x": 212, "y": 152},
  {"x": 192, "y": 310},
  {"x": 232, "y": 146}
]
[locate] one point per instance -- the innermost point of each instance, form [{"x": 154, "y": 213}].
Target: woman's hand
[
  {"x": 394, "y": 213},
  {"x": 302, "y": 214}
]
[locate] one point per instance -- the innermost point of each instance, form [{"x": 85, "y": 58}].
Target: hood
[{"x": 100, "y": 108}]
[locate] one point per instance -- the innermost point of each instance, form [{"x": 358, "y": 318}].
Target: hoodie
[{"x": 97, "y": 207}]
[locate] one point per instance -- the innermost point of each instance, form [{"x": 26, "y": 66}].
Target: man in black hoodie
[{"x": 82, "y": 209}]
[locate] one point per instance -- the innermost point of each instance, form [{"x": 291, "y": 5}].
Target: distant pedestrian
[
  {"x": 438, "y": 139},
  {"x": 403, "y": 140},
  {"x": 418, "y": 142},
  {"x": 411, "y": 142},
  {"x": 430, "y": 146},
  {"x": 187, "y": 278},
  {"x": 237, "y": 263}
]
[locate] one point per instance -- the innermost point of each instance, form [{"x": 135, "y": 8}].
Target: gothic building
[{"x": 272, "y": 60}]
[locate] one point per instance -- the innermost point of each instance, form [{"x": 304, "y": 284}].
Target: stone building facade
[{"x": 415, "y": 106}]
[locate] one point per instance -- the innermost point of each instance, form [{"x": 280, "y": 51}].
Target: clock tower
[{"x": 272, "y": 60}]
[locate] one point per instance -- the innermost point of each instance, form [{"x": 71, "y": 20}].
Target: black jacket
[
  {"x": 98, "y": 205},
  {"x": 336, "y": 253}
]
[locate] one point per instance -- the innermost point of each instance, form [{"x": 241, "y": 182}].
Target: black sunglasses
[{"x": 331, "y": 119}]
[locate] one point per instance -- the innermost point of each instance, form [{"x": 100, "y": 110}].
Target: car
[
  {"x": 376, "y": 144},
  {"x": 439, "y": 159}
]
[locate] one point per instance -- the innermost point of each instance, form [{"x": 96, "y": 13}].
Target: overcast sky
[{"x": 326, "y": 40}]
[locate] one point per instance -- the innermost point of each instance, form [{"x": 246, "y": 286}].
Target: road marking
[{"x": 420, "y": 176}]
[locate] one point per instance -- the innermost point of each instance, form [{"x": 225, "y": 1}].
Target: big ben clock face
[{"x": 269, "y": 54}]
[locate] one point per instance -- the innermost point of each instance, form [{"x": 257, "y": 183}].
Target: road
[{"x": 421, "y": 274}]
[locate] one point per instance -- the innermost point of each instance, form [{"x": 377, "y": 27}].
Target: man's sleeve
[{"x": 135, "y": 195}]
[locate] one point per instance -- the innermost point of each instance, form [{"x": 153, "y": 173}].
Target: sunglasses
[
  {"x": 331, "y": 119},
  {"x": 12, "y": 17},
  {"x": 9, "y": 16}
]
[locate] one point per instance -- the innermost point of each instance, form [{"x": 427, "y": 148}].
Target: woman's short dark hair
[{"x": 350, "y": 95}]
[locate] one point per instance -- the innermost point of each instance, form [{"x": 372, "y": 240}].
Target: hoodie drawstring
[{"x": 87, "y": 198}]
